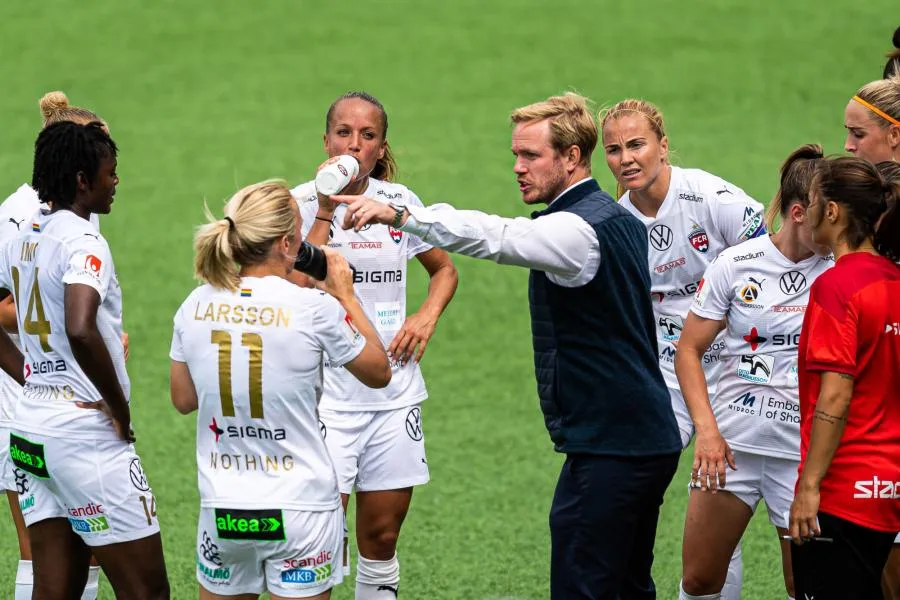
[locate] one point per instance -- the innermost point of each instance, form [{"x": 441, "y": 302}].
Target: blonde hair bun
[{"x": 53, "y": 103}]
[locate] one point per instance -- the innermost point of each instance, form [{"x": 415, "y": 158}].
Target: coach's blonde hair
[
  {"x": 883, "y": 94},
  {"x": 255, "y": 218},
  {"x": 55, "y": 107},
  {"x": 634, "y": 106},
  {"x": 571, "y": 123}
]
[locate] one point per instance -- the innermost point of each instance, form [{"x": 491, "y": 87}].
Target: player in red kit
[{"x": 846, "y": 510}]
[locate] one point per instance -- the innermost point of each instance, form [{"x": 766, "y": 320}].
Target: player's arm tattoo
[
  {"x": 828, "y": 418},
  {"x": 846, "y": 376}
]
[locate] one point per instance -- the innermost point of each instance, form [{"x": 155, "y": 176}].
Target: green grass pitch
[{"x": 205, "y": 97}]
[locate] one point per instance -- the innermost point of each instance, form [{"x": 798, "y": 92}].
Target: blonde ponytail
[{"x": 255, "y": 218}]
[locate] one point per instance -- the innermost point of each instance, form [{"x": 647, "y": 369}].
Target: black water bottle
[{"x": 311, "y": 261}]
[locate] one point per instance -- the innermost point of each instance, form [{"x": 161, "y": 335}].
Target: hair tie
[{"x": 231, "y": 225}]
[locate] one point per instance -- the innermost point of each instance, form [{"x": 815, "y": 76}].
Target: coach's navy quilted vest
[{"x": 595, "y": 353}]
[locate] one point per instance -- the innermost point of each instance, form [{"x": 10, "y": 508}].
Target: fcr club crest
[{"x": 698, "y": 239}]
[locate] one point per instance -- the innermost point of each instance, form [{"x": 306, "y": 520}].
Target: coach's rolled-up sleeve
[{"x": 561, "y": 244}]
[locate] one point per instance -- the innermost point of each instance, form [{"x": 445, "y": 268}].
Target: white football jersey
[
  {"x": 379, "y": 255},
  {"x": 701, "y": 215},
  {"x": 50, "y": 252},
  {"x": 255, "y": 357},
  {"x": 763, "y": 296},
  {"x": 15, "y": 213}
]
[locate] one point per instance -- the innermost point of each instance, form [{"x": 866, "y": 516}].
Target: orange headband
[{"x": 878, "y": 111}]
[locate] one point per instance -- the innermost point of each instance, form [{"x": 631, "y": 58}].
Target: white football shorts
[
  {"x": 290, "y": 553},
  {"x": 98, "y": 485},
  {"x": 376, "y": 450}
]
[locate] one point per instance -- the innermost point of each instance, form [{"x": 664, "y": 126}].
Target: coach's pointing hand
[{"x": 362, "y": 211}]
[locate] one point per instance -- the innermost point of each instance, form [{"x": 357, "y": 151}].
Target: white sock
[
  {"x": 377, "y": 579},
  {"x": 735, "y": 578},
  {"x": 24, "y": 580},
  {"x": 93, "y": 584},
  {"x": 683, "y": 595}
]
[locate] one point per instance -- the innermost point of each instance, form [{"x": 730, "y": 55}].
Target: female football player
[
  {"x": 14, "y": 213},
  {"x": 375, "y": 436},
  {"x": 691, "y": 216},
  {"x": 756, "y": 292},
  {"x": 72, "y": 429},
  {"x": 849, "y": 400},
  {"x": 247, "y": 352}
]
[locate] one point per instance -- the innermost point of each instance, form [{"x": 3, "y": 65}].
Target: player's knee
[
  {"x": 698, "y": 582},
  {"x": 380, "y": 542}
]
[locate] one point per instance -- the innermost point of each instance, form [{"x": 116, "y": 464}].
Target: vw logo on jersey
[
  {"x": 396, "y": 234},
  {"x": 698, "y": 239},
  {"x": 661, "y": 237},
  {"x": 792, "y": 282}
]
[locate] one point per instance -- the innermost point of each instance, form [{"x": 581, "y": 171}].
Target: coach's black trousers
[
  {"x": 849, "y": 568},
  {"x": 603, "y": 526}
]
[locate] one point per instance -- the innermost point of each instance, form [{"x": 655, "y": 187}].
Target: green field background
[{"x": 205, "y": 97}]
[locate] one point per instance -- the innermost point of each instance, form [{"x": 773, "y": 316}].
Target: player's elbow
[
  {"x": 78, "y": 330},
  {"x": 380, "y": 377}
]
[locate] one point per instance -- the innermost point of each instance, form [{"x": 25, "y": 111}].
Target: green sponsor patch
[
  {"x": 28, "y": 456},
  {"x": 250, "y": 524}
]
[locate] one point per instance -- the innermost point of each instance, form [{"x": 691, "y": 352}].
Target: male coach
[{"x": 604, "y": 400}]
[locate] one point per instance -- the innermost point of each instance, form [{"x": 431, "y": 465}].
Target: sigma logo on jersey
[
  {"x": 306, "y": 571},
  {"x": 876, "y": 489},
  {"x": 670, "y": 327},
  {"x": 669, "y": 265},
  {"x": 661, "y": 237},
  {"x": 396, "y": 234},
  {"x": 754, "y": 226},
  {"x": 698, "y": 238},
  {"x": 690, "y": 197},
  {"x": 388, "y": 276},
  {"x": 756, "y": 367},
  {"x": 45, "y": 366},
  {"x": 249, "y": 431},
  {"x": 792, "y": 282},
  {"x": 688, "y": 290}
]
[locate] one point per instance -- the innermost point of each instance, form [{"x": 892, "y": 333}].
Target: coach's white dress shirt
[{"x": 561, "y": 244}]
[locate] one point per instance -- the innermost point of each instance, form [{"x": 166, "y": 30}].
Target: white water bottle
[{"x": 335, "y": 177}]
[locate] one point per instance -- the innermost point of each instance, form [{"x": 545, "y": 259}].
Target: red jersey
[{"x": 852, "y": 325}]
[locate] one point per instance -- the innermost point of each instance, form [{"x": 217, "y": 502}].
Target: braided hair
[{"x": 63, "y": 150}]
